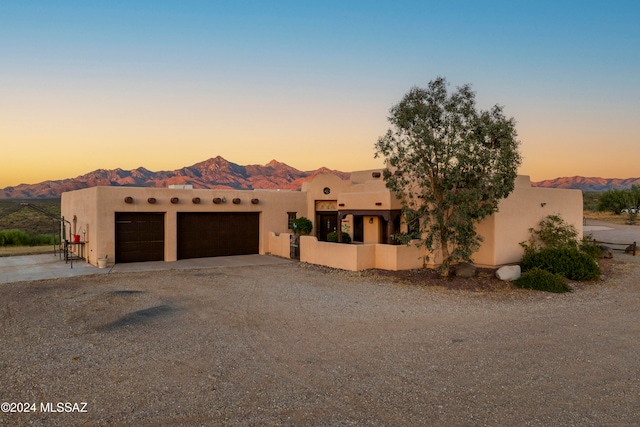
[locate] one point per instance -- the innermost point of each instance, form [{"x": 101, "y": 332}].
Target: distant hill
[
  {"x": 220, "y": 173},
  {"x": 588, "y": 184},
  {"x": 213, "y": 173}
]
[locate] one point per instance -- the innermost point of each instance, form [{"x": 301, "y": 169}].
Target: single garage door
[
  {"x": 211, "y": 234},
  {"x": 139, "y": 236}
]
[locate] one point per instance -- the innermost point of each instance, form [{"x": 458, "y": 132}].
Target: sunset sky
[{"x": 165, "y": 84}]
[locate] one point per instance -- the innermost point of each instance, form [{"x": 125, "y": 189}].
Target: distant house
[{"x": 136, "y": 224}]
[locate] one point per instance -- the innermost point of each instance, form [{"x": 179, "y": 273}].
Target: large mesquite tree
[{"x": 450, "y": 163}]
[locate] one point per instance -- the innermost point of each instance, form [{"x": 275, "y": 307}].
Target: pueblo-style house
[{"x": 135, "y": 224}]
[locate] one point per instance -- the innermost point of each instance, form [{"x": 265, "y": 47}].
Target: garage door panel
[
  {"x": 139, "y": 236},
  {"x": 211, "y": 234}
]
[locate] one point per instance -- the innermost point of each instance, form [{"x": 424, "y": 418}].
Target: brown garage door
[
  {"x": 210, "y": 234},
  {"x": 139, "y": 236}
]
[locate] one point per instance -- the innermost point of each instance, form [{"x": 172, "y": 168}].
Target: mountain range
[
  {"x": 213, "y": 173},
  {"x": 588, "y": 184},
  {"x": 220, "y": 173}
]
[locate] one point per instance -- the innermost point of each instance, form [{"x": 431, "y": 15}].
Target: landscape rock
[
  {"x": 605, "y": 252},
  {"x": 464, "y": 269},
  {"x": 509, "y": 272}
]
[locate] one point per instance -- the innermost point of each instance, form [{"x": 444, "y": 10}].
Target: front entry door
[{"x": 326, "y": 222}]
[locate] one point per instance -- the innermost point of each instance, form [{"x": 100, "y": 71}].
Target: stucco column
[{"x": 170, "y": 236}]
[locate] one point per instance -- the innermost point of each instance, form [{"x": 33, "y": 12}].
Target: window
[{"x": 291, "y": 218}]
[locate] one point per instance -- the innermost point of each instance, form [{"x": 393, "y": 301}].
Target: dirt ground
[{"x": 296, "y": 344}]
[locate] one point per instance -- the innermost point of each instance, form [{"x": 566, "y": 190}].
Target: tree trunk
[{"x": 444, "y": 247}]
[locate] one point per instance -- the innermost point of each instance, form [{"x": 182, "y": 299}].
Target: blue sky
[{"x": 163, "y": 85}]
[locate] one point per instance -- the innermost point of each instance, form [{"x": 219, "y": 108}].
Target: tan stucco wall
[
  {"x": 82, "y": 204},
  {"x": 314, "y": 191},
  {"x": 356, "y": 257},
  {"x": 280, "y": 244},
  {"x": 503, "y": 231},
  {"x": 524, "y": 210},
  {"x": 95, "y": 209},
  {"x": 372, "y": 232}
]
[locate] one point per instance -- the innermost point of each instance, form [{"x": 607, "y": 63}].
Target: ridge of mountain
[
  {"x": 216, "y": 172},
  {"x": 588, "y": 183}
]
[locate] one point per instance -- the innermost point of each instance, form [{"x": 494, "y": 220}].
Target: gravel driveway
[{"x": 298, "y": 345}]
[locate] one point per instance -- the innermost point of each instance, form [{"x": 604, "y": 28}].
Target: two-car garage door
[{"x": 140, "y": 236}]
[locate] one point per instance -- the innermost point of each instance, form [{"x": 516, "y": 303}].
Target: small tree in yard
[{"x": 453, "y": 163}]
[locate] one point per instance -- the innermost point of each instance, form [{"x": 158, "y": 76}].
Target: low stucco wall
[
  {"x": 280, "y": 244},
  {"x": 399, "y": 257},
  {"x": 360, "y": 257}
]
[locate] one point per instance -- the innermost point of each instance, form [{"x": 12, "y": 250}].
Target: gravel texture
[{"x": 298, "y": 345}]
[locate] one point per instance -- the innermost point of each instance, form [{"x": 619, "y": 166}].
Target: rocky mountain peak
[{"x": 216, "y": 172}]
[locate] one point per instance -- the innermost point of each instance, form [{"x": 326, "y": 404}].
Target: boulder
[
  {"x": 605, "y": 252},
  {"x": 464, "y": 269},
  {"x": 509, "y": 272}
]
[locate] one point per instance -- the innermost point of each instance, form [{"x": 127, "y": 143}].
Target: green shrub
[
  {"x": 589, "y": 247},
  {"x": 553, "y": 232},
  {"x": 14, "y": 238},
  {"x": 569, "y": 262},
  {"x": 301, "y": 225},
  {"x": 44, "y": 239},
  {"x": 542, "y": 280},
  {"x": 333, "y": 237},
  {"x": 22, "y": 238}
]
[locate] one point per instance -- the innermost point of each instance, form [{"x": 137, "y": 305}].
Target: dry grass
[
  {"x": 609, "y": 217},
  {"x": 24, "y": 250}
]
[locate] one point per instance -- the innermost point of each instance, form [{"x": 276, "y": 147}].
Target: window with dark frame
[{"x": 291, "y": 218}]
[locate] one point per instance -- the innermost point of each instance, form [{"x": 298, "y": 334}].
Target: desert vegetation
[
  {"x": 21, "y": 226},
  {"x": 554, "y": 253},
  {"x": 620, "y": 206}
]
